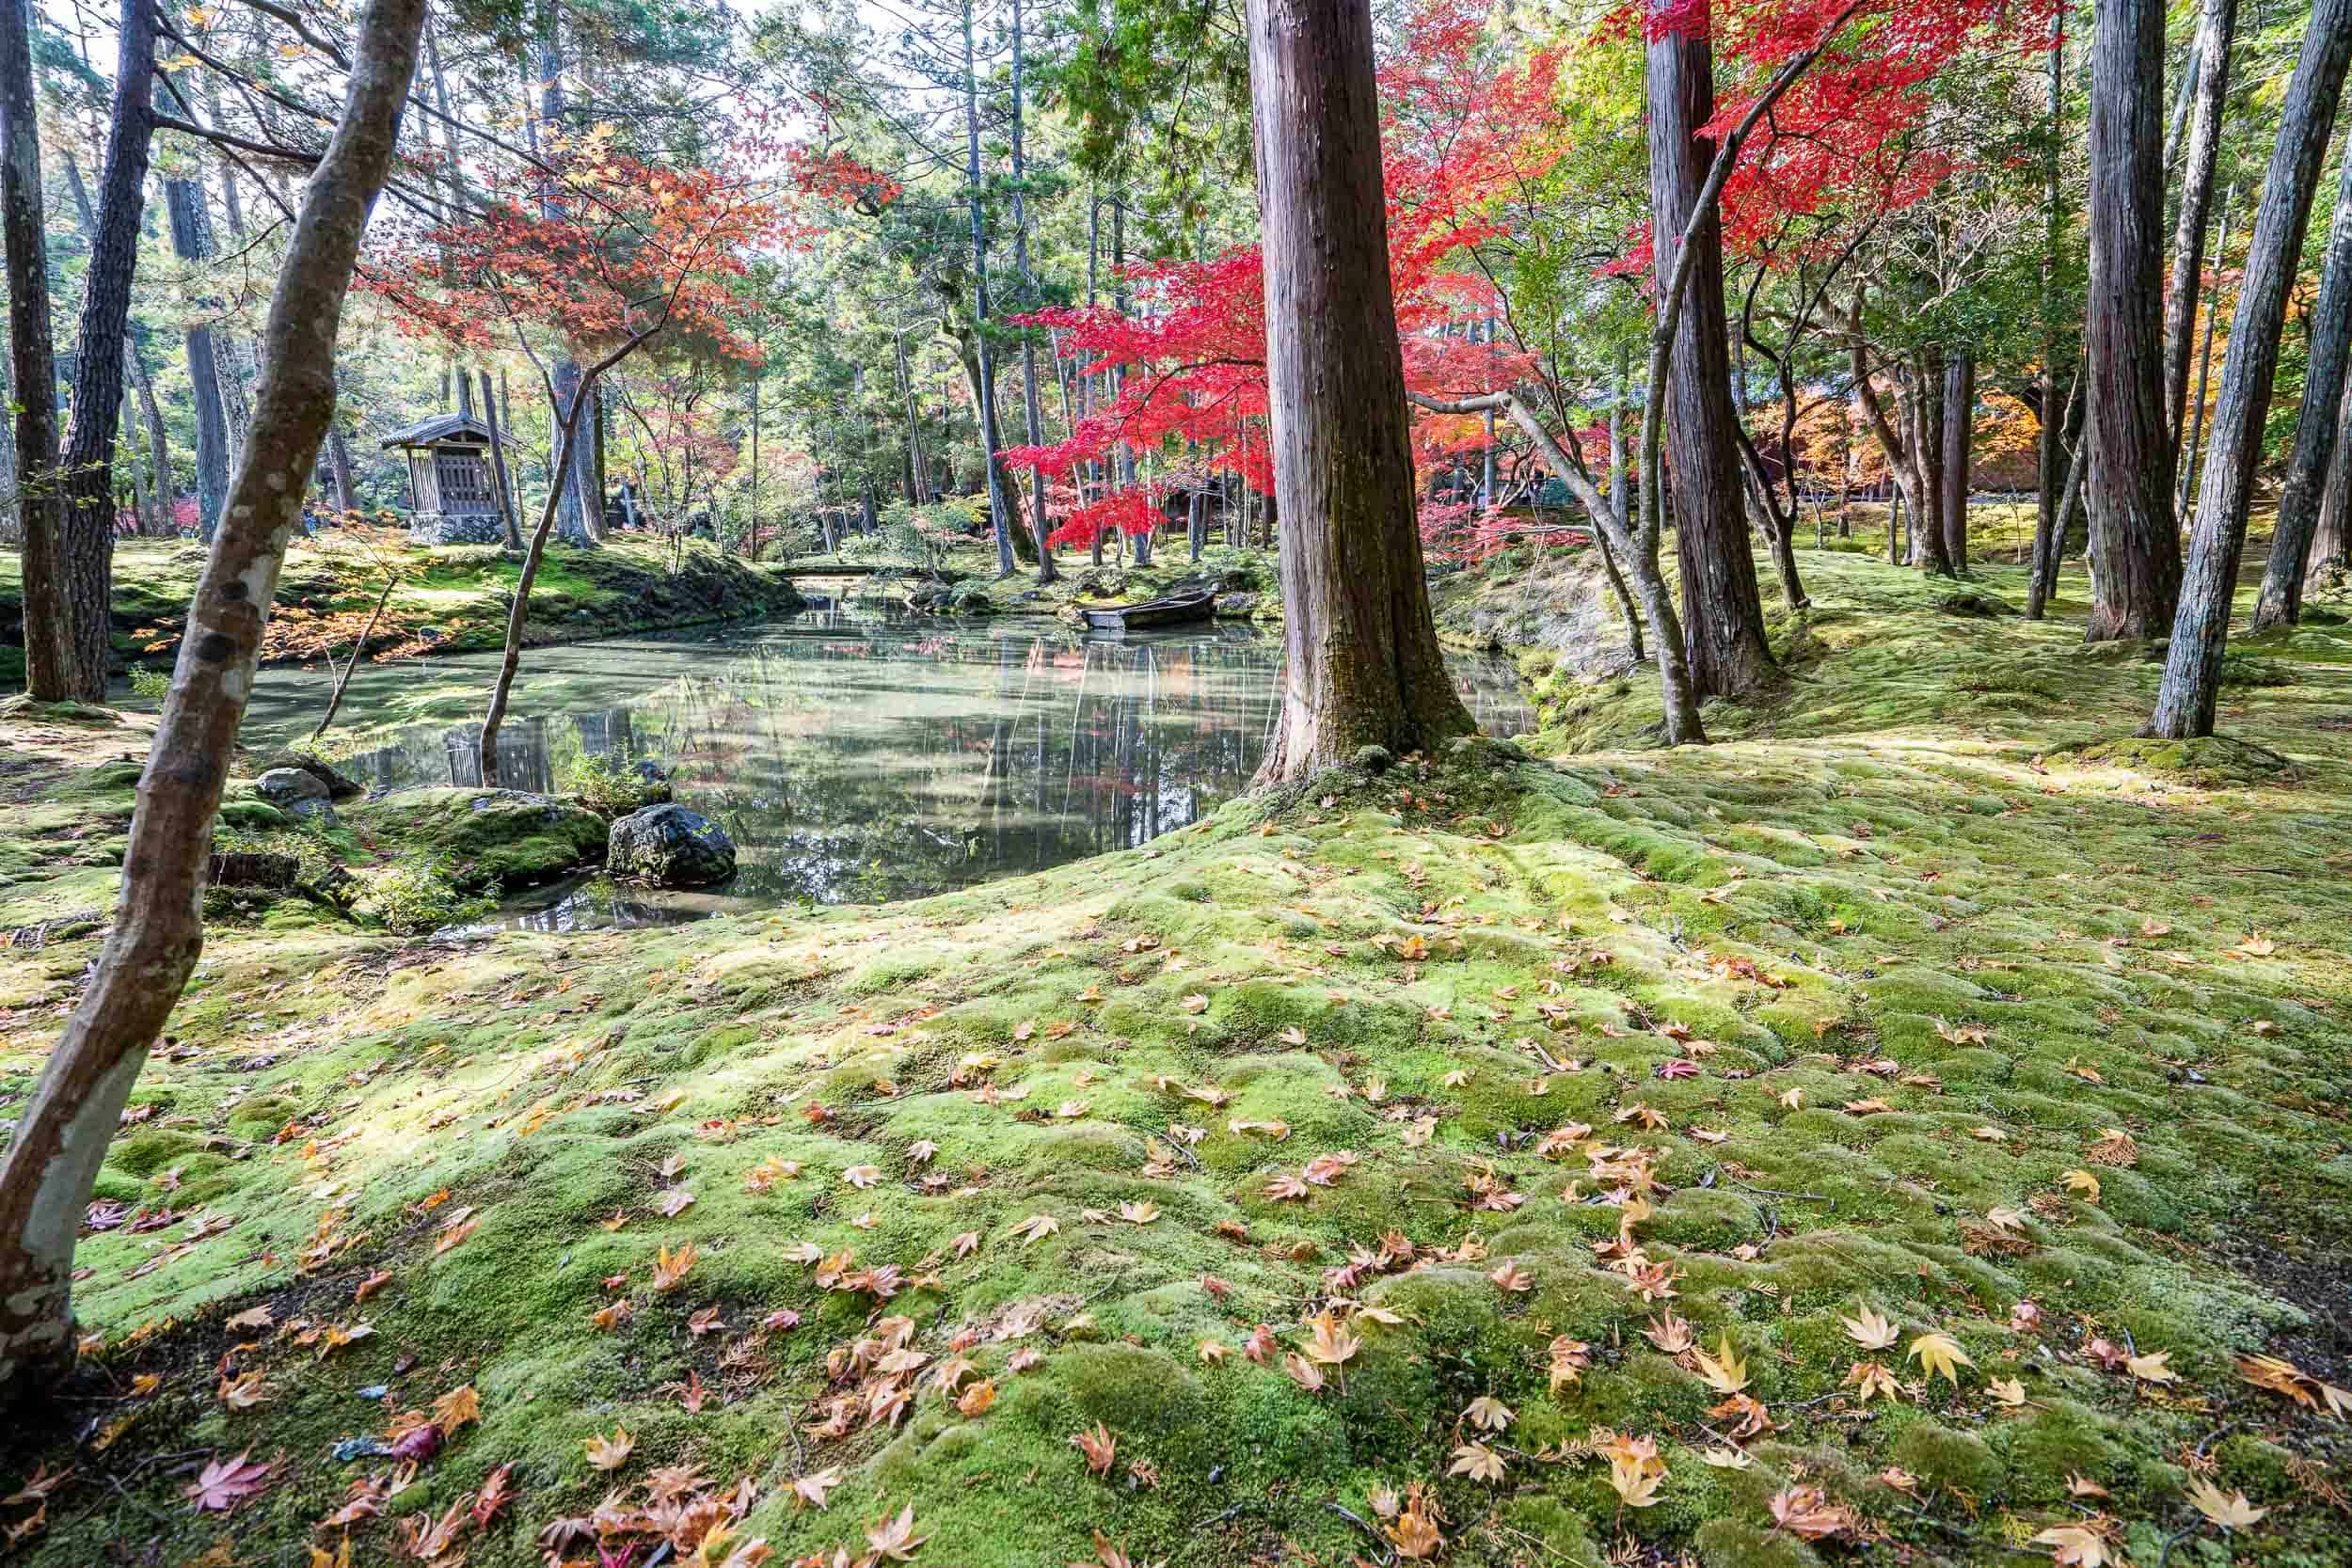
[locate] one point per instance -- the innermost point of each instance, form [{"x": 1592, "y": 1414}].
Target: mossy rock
[
  {"x": 2210, "y": 761},
  {"x": 257, "y": 817},
  {"x": 489, "y": 838}
]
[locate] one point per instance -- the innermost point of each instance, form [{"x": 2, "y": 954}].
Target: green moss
[
  {"x": 488, "y": 838},
  {"x": 1889, "y": 882}
]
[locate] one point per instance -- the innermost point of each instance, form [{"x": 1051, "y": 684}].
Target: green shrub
[
  {"x": 149, "y": 685},
  {"x": 412, "y": 900},
  {"x": 610, "y": 786}
]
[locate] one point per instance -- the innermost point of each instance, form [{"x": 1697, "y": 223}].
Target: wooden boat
[{"x": 1175, "y": 609}]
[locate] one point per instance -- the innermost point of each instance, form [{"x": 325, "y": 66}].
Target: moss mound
[
  {"x": 488, "y": 838},
  {"x": 2204, "y": 762}
]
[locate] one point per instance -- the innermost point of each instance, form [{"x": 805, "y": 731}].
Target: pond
[{"x": 852, "y": 758}]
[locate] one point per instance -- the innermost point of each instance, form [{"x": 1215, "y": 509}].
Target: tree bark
[
  {"x": 1723, "y": 616},
  {"x": 2134, "y": 546},
  {"x": 1959, "y": 400},
  {"x": 1362, "y": 665},
  {"x": 49, "y": 616},
  {"x": 2061, "y": 435},
  {"x": 984, "y": 376},
  {"x": 498, "y": 463},
  {"x": 2317, "y": 429},
  {"x": 2192, "y": 662},
  {"x": 85, "y": 554},
  {"x": 2048, "y": 458},
  {"x": 60, "y": 1140},
  {"x": 2217, "y": 25},
  {"x": 338, "y": 465},
  {"x": 1034, "y": 425},
  {"x": 574, "y": 482},
  {"x": 192, "y": 240},
  {"x": 2329, "y": 544}
]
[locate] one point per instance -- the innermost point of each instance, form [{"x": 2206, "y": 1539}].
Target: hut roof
[{"x": 438, "y": 429}]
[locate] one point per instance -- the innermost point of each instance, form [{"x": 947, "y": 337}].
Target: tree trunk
[
  {"x": 498, "y": 463},
  {"x": 2317, "y": 430},
  {"x": 2329, "y": 543},
  {"x": 1959, "y": 400},
  {"x": 50, "y": 643},
  {"x": 1723, "y": 617},
  {"x": 1362, "y": 665},
  {"x": 2192, "y": 662},
  {"x": 2048, "y": 462},
  {"x": 192, "y": 240},
  {"x": 581, "y": 518},
  {"x": 2061, "y": 435},
  {"x": 1034, "y": 426},
  {"x": 2217, "y": 24},
  {"x": 52, "y": 1160},
  {"x": 85, "y": 553},
  {"x": 984, "y": 376},
  {"x": 338, "y": 465},
  {"x": 2134, "y": 546}
]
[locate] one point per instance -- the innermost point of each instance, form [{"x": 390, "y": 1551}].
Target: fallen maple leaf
[
  {"x": 1099, "y": 1446},
  {"x": 1870, "y": 1330},
  {"x": 1806, "y": 1512},
  {"x": 2077, "y": 1546},
  {"x": 223, "y": 1484},
  {"x": 895, "y": 1538},
  {"x": 809, "y": 1491},
  {"x": 610, "y": 1453},
  {"x": 1940, "y": 1353},
  {"x": 1478, "y": 1462},
  {"x": 2230, "y": 1510},
  {"x": 457, "y": 1408}
]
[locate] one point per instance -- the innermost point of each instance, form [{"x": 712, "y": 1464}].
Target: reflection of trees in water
[
  {"x": 901, "y": 764},
  {"x": 852, "y": 758}
]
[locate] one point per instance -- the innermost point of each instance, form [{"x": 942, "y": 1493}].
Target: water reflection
[{"x": 855, "y": 757}]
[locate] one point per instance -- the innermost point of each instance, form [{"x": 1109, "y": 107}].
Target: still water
[{"x": 851, "y": 758}]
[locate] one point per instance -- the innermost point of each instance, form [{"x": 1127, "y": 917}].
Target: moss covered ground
[
  {"x": 450, "y": 598},
  {"x": 1495, "y": 1159}
]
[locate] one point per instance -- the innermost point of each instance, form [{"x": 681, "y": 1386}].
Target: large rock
[
  {"x": 339, "y": 787},
  {"x": 671, "y": 846},
  {"x": 294, "y": 791},
  {"x": 488, "y": 838}
]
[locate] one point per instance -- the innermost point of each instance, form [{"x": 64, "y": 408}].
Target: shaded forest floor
[
  {"x": 1515, "y": 1154},
  {"x": 450, "y": 598}
]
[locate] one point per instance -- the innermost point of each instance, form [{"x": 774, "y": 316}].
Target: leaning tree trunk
[
  {"x": 2317, "y": 435},
  {"x": 60, "y": 1140},
  {"x": 2192, "y": 663},
  {"x": 48, "y": 615},
  {"x": 2217, "y": 24},
  {"x": 85, "y": 553},
  {"x": 1362, "y": 665},
  {"x": 2135, "y": 546},
  {"x": 1959, "y": 398},
  {"x": 1723, "y": 615}
]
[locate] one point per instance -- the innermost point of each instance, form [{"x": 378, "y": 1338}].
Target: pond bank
[{"x": 450, "y": 598}]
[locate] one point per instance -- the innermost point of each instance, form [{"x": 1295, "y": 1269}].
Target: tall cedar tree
[
  {"x": 2135, "y": 548},
  {"x": 2192, "y": 662},
  {"x": 1723, "y": 618},
  {"x": 1362, "y": 665},
  {"x": 85, "y": 553}
]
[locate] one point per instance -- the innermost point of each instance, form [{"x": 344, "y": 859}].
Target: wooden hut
[{"x": 451, "y": 481}]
